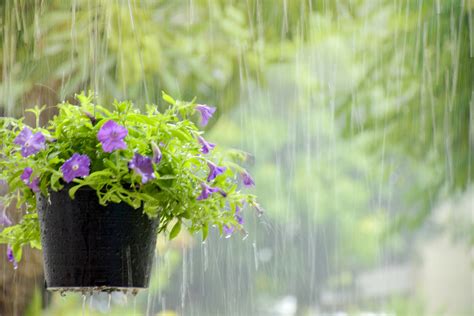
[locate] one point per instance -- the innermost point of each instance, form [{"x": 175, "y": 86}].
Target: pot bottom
[{"x": 96, "y": 289}]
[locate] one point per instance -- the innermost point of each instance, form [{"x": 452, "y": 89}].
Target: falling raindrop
[
  {"x": 185, "y": 278},
  {"x": 255, "y": 255},
  {"x": 84, "y": 298},
  {"x": 204, "y": 246},
  {"x": 109, "y": 301},
  {"x": 134, "y": 304}
]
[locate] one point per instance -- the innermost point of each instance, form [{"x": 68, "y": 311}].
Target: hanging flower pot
[
  {"x": 90, "y": 246},
  {"x": 99, "y": 184}
]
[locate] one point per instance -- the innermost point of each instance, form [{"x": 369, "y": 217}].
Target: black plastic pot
[{"x": 87, "y": 246}]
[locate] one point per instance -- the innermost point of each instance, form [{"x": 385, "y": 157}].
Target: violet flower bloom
[
  {"x": 228, "y": 230},
  {"x": 143, "y": 166},
  {"x": 4, "y": 220},
  {"x": 238, "y": 216},
  {"x": 206, "y": 146},
  {"x": 26, "y": 178},
  {"x": 111, "y": 136},
  {"x": 206, "y": 113},
  {"x": 76, "y": 166},
  {"x": 214, "y": 171},
  {"x": 247, "y": 179},
  {"x": 26, "y": 175},
  {"x": 30, "y": 143},
  {"x": 34, "y": 185},
  {"x": 156, "y": 153},
  {"x": 11, "y": 257},
  {"x": 206, "y": 191}
]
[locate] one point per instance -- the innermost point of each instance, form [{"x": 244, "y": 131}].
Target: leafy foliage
[
  {"x": 171, "y": 195},
  {"x": 427, "y": 114}
]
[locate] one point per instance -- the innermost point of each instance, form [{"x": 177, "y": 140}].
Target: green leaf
[
  {"x": 72, "y": 191},
  {"x": 35, "y": 244},
  {"x": 167, "y": 177},
  {"x": 168, "y": 98},
  {"x": 140, "y": 118},
  {"x": 205, "y": 232},
  {"x": 175, "y": 230},
  {"x": 84, "y": 99},
  {"x": 17, "y": 251},
  {"x": 55, "y": 185},
  {"x": 180, "y": 134},
  {"x": 109, "y": 164}
]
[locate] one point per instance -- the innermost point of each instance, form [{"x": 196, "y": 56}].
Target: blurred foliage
[
  {"x": 424, "y": 69},
  {"x": 136, "y": 49}
]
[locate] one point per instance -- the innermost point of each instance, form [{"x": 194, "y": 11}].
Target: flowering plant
[{"x": 159, "y": 161}]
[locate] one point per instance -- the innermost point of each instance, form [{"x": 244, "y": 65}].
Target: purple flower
[
  {"x": 143, "y": 166},
  {"x": 206, "y": 113},
  {"x": 206, "y": 147},
  {"x": 76, "y": 166},
  {"x": 206, "y": 191},
  {"x": 156, "y": 153},
  {"x": 26, "y": 175},
  {"x": 238, "y": 216},
  {"x": 11, "y": 257},
  {"x": 228, "y": 230},
  {"x": 247, "y": 179},
  {"x": 4, "y": 220},
  {"x": 34, "y": 185},
  {"x": 30, "y": 143},
  {"x": 111, "y": 136},
  {"x": 26, "y": 178},
  {"x": 214, "y": 171}
]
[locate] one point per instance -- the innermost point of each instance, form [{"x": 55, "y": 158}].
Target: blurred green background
[{"x": 359, "y": 116}]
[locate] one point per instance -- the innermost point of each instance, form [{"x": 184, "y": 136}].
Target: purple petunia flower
[
  {"x": 11, "y": 257},
  {"x": 34, "y": 185},
  {"x": 206, "y": 113},
  {"x": 30, "y": 143},
  {"x": 143, "y": 166},
  {"x": 247, "y": 179},
  {"x": 111, "y": 136},
  {"x": 156, "y": 153},
  {"x": 76, "y": 166},
  {"x": 4, "y": 220},
  {"x": 26, "y": 175},
  {"x": 214, "y": 171},
  {"x": 26, "y": 178},
  {"x": 238, "y": 216},
  {"x": 206, "y": 146},
  {"x": 206, "y": 191},
  {"x": 228, "y": 230}
]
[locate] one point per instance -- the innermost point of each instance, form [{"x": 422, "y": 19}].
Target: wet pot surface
[{"x": 87, "y": 245}]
